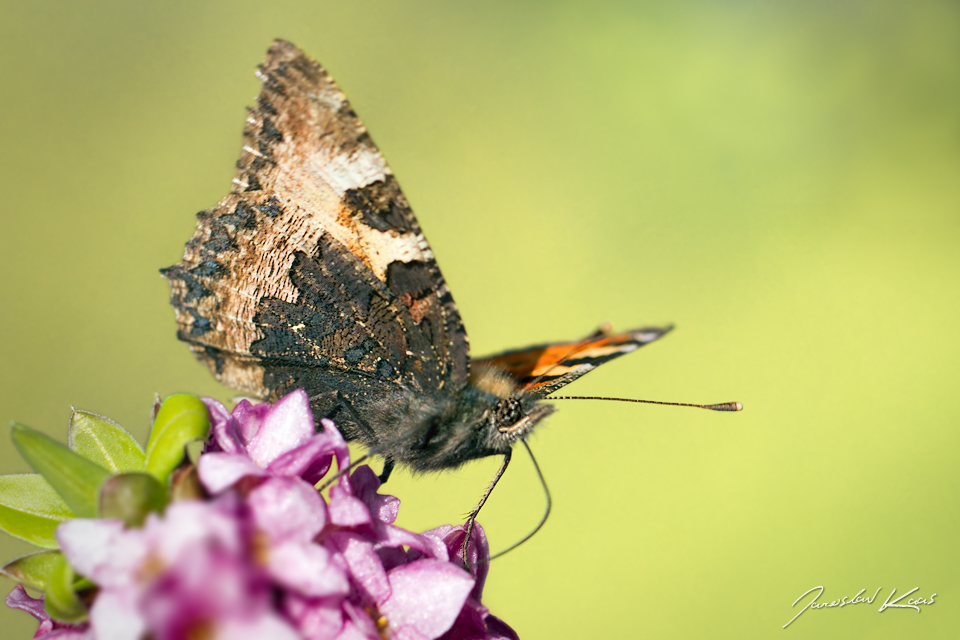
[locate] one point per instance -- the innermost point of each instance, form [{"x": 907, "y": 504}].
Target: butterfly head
[
  {"x": 515, "y": 416},
  {"x": 512, "y": 413}
]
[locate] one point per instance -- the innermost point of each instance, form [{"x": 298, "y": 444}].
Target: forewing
[
  {"x": 542, "y": 369},
  {"x": 315, "y": 258}
]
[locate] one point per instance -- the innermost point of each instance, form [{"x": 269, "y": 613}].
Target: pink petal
[
  {"x": 340, "y": 449},
  {"x": 317, "y": 469},
  {"x": 392, "y": 557},
  {"x": 103, "y": 550},
  {"x": 345, "y": 510},
  {"x": 358, "y": 624},
  {"x": 365, "y": 483},
  {"x": 189, "y": 524},
  {"x": 307, "y": 569},
  {"x": 314, "y": 618},
  {"x": 288, "y": 509},
  {"x": 48, "y": 628},
  {"x": 351, "y": 631},
  {"x": 207, "y": 585},
  {"x": 364, "y": 564},
  {"x": 426, "y": 598},
  {"x": 497, "y": 629},
  {"x": 223, "y": 435},
  {"x": 259, "y": 628},
  {"x": 286, "y": 426},
  {"x": 114, "y": 616},
  {"x": 471, "y": 623},
  {"x": 391, "y": 536},
  {"x": 440, "y": 533},
  {"x": 313, "y": 459},
  {"x": 220, "y": 471},
  {"x": 20, "y": 599},
  {"x": 312, "y": 456},
  {"x": 451, "y": 536},
  {"x": 249, "y": 418}
]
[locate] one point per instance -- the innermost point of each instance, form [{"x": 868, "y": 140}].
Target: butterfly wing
[
  {"x": 313, "y": 271},
  {"x": 542, "y": 369}
]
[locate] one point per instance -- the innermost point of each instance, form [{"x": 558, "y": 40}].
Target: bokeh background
[{"x": 781, "y": 180}]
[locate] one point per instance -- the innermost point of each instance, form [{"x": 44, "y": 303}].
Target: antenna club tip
[{"x": 726, "y": 406}]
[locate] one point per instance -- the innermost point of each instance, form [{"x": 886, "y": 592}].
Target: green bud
[{"x": 131, "y": 496}]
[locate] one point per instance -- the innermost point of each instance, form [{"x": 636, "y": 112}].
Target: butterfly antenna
[
  {"x": 722, "y": 406},
  {"x": 543, "y": 520}
]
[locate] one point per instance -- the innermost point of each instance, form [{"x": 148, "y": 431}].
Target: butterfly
[{"x": 313, "y": 273}]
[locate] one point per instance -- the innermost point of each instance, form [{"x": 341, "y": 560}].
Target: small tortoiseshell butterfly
[{"x": 313, "y": 272}]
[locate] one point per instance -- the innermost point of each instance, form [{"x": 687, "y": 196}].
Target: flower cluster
[{"x": 261, "y": 554}]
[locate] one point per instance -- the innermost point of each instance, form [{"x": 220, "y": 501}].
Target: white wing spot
[{"x": 349, "y": 171}]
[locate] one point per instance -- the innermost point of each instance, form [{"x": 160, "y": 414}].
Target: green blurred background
[{"x": 782, "y": 180}]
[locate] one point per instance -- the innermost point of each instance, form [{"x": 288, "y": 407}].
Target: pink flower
[
  {"x": 268, "y": 440},
  {"x": 404, "y": 581},
  {"x": 267, "y": 557},
  {"x": 289, "y": 515},
  {"x": 192, "y": 569},
  {"x": 474, "y": 621},
  {"x": 49, "y": 629}
]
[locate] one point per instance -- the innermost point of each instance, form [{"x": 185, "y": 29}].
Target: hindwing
[{"x": 542, "y": 369}]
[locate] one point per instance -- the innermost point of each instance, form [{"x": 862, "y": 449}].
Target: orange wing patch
[{"x": 543, "y": 369}]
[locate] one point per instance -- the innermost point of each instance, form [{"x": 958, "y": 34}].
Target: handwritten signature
[{"x": 912, "y": 603}]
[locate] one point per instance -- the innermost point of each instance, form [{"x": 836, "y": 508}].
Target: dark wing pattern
[
  {"x": 313, "y": 271},
  {"x": 542, "y": 369}
]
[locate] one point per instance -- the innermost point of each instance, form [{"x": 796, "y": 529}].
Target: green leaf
[
  {"x": 33, "y": 570},
  {"x": 103, "y": 441},
  {"x": 131, "y": 496},
  {"x": 182, "y": 419},
  {"x": 75, "y": 478},
  {"x": 31, "y": 510},
  {"x": 60, "y": 600}
]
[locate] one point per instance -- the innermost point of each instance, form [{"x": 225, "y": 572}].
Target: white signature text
[{"x": 889, "y": 603}]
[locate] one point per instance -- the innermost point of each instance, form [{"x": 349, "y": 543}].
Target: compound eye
[{"x": 508, "y": 412}]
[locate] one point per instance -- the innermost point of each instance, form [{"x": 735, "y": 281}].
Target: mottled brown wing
[
  {"x": 315, "y": 261},
  {"x": 542, "y": 369}
]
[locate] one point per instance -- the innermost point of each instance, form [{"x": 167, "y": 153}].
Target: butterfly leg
[
  {"x": 476, "y": 510},
  {"x": 387, "y": 470}
]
